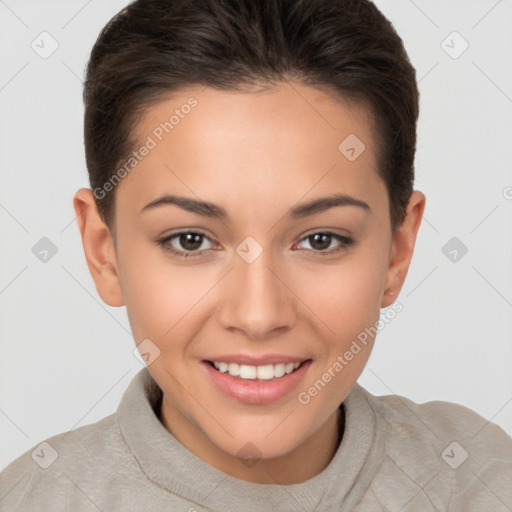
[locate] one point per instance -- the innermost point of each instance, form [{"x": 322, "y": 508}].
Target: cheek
[
  {"x": 160, "y": 297},
  {"x": 346, "y": 296}
]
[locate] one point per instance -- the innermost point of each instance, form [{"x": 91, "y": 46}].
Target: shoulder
[
  {"x": 450, "y": 452},
  {"x": 436, "y": 418},
  {"x": 42, "y": 477}
]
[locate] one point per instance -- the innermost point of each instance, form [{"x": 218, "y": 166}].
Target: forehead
[
  {"x": 260, "y": 143},
  {"x": 288, "y": 110}
]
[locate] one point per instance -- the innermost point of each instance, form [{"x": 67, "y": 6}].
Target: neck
[{"x": 304, "y": 462}]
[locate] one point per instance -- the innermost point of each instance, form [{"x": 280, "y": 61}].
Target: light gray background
[{"x": 66, "y": 358}]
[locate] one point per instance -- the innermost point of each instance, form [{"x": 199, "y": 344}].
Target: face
[{"x": 248, "y": 239}]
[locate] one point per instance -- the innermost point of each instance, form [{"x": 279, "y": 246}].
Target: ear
[
  {"x": 98, "y": 247},
  {"x": 402, "y": 248}
]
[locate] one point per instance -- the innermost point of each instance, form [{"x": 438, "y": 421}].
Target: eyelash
[{"x": 346, "y": 242}]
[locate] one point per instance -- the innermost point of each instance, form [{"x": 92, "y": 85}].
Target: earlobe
[
  {"x": 402, "y": 248},
  {"x": 98, "y": 248}
]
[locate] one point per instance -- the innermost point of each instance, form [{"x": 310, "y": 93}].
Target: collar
[{"x": 171, "y": 466}]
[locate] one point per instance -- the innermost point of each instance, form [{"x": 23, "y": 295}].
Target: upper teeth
[{"x": 266, "y": 372}]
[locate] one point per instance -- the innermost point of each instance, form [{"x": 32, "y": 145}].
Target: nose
[{"x": 257, "y": 300}]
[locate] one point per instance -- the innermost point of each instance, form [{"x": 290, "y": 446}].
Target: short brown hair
[{"x": 155, "y": 47}]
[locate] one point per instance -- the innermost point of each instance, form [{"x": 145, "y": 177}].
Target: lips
[{"x": 247, "y": 387}]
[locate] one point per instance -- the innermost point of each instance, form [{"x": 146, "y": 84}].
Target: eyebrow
[{"x": 207, "y": 209}]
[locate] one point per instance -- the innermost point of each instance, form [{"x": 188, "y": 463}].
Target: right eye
[{"x": 190, "y": 241}]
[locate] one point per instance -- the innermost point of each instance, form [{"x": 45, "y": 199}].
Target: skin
[{"x": 256, "y": 154}]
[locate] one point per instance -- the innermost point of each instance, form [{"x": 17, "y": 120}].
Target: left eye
[{"x": 322, "y": 241}]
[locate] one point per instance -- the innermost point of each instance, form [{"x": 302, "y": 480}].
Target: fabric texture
[{"x": 395, "y": 455}]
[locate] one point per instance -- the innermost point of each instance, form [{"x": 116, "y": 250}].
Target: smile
[{"x": 256, "y": 384}]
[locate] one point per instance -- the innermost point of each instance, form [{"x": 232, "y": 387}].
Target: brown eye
[
  {"x": 185, "y": 244},
  {"x": 190, "y": 241},
  {"x": 322, "y": 243}
]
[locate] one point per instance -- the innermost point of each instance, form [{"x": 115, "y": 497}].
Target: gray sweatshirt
[{"x": 395, "y": 455}]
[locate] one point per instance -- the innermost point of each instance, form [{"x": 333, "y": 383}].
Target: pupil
[
  {"x": 327, "y": 240},
  {"x": 190, "y": 241}
]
